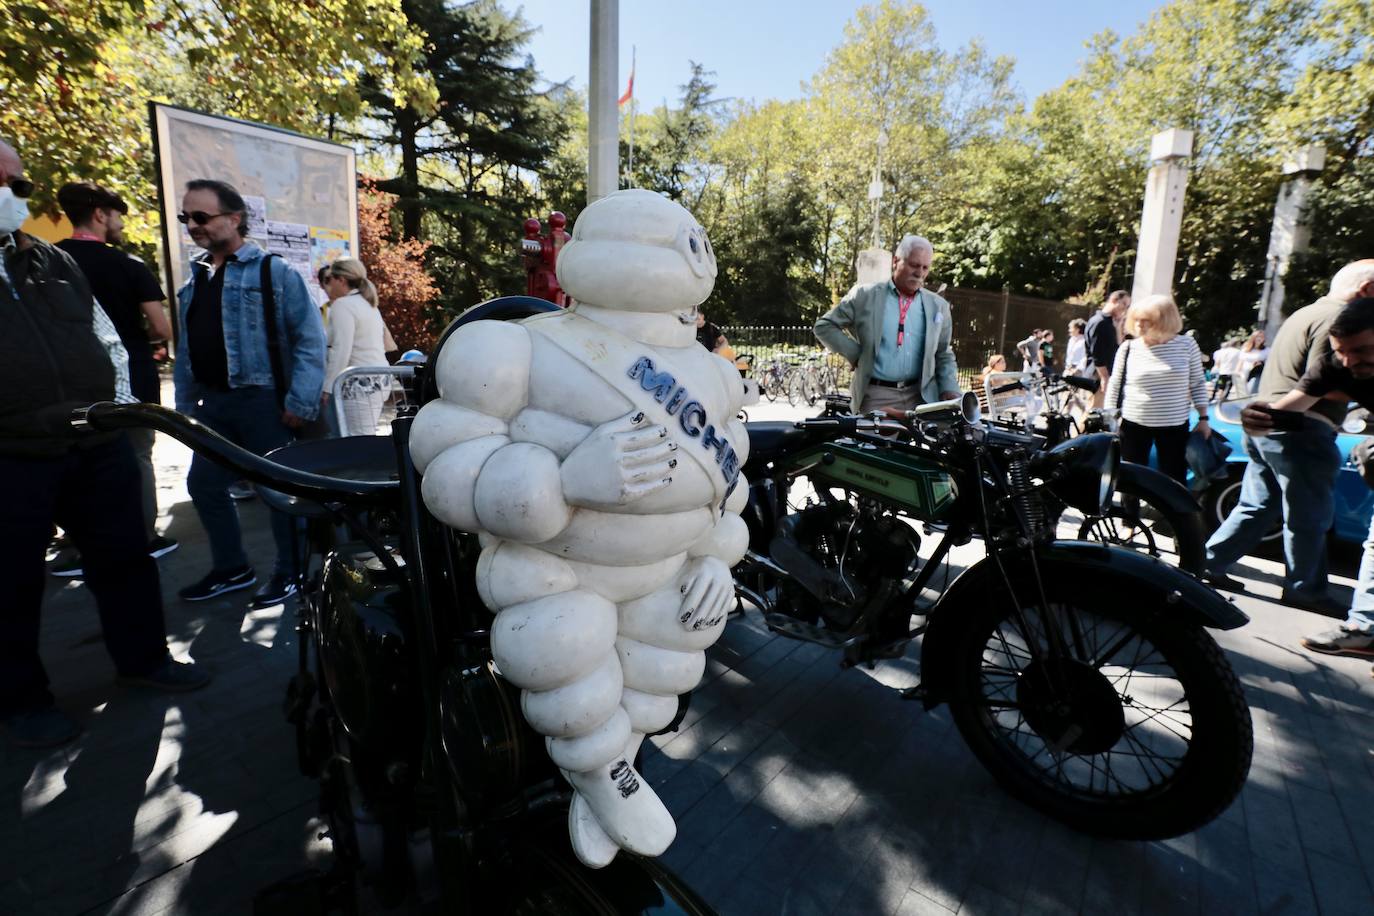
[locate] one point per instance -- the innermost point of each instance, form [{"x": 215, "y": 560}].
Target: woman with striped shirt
[{"x": 1155, "y": 378}]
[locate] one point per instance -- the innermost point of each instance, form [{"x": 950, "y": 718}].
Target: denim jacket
[{"x": 299, "y": 328}]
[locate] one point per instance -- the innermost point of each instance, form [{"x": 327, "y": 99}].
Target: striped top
[{"x": 1161, "y": 381}]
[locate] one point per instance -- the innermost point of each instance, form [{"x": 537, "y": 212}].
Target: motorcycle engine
[{"x": 841, "y": 557}]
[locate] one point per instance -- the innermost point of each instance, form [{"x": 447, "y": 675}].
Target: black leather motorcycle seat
[
  {"x": 770, "y": 438},
  {"x": 369, "y": 458}
]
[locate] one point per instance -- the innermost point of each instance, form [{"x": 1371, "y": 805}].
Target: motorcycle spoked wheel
[
  {"x": 1146, "y": 735},
  {"x": 1177, "y": 538}
]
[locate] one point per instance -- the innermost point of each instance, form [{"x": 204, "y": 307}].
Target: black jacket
[{"x": 51, "y": 361}]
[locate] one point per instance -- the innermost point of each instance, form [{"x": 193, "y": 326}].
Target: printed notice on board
[{"x": 328, "y": 245}]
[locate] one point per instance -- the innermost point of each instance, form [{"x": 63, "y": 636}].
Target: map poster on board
[
  {"x": 290, "y": 183},
  {"x": 328, "y": 245}
]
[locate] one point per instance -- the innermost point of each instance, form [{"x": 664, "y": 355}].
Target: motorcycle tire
[
  {"x": 1152, "y": 796},
  {"x": 1150, "y": 529}
]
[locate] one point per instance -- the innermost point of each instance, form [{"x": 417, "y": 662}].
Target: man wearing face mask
[
  {"x": 250, "y": 375},
  {"x": 896, "y": 334},
  {"x": 51, "y": 362}
]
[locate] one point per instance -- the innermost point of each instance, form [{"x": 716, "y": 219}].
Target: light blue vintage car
[{"x": 1354, "y": 500}]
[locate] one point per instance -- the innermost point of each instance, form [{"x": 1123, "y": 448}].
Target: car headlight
[{"x": 1082, "y": 471}]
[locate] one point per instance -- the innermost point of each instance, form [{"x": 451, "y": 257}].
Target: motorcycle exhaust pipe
[{"x": 966, "y": 405}]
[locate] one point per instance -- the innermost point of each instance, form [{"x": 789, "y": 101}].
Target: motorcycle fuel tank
[
  {"x": 905, "y": 478},
  {"x": 363, "y": 647}
]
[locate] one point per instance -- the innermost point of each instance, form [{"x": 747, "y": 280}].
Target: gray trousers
[
  {"x": 142, "y": 441},
  {"x": 878, "y": 397}
]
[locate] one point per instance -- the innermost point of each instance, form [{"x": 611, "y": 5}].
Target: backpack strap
[{"x": 269, "y": 311}]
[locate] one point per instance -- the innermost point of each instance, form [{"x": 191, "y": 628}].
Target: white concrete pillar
[
  {"x": 603, "y": 120},
  {"x": 1161, "y": 219},
  {"x": 1290, "y": 234}
]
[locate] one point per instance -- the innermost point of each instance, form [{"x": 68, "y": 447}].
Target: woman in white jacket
[{"x": 357, "y": 337}]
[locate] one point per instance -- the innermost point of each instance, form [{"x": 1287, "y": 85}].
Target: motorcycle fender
[
  {"x": 1100, "y": 567},
  {"x": 1141, "y": 478}
]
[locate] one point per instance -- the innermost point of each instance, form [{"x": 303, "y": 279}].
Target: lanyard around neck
[{"x": 903, "y": 305}]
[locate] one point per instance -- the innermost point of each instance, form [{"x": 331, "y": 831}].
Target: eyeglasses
[
  {"x": 199, "y": 217},
  {"x": 21, "y": 187}
]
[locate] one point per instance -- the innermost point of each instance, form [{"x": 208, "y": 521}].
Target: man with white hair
[
  {"x": 896, "y": 334},
  {"x": 1292, "y": 473}
]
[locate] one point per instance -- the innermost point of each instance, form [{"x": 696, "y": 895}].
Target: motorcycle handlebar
[
  {"x": 1010, "y": 386},
  {"x": 1082, "y": 384},
  {"x": 205, "y": 441}
]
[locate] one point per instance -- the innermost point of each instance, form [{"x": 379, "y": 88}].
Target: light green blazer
[{"x": 854, "y": 328}]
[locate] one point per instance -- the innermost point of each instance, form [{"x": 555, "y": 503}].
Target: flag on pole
[{"x": 630, "y": 89}]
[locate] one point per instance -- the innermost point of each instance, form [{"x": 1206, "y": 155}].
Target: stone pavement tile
[
  {"x": 1271, "y": 827},
  {"x": 1341, "y": 890},
  {"x": 1321, "y": 825},
  {"x": 981, "y": 901},
  {"x": 890, "y": 864},
  {"x": 1284, "y": 887},
  {"x": 1173, "y": 877},
  {"x": 1010, "y": 851},
  {"x": 1058, "y": 871},
  {"x": 1115, "y": 879},
  {"x": 917, "y": 904},
  {"x": 715, "y": 873},
  {"x": 1227, "y": 883}
]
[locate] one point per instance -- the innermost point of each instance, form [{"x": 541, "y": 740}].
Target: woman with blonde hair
[
  {"x": 1250, "y": 363},
  {"x": 357, "y": 337},
  {"x": 1156, "y": 377}
]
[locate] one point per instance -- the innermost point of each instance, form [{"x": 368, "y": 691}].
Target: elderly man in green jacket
[{"x": 896, "y": 334}]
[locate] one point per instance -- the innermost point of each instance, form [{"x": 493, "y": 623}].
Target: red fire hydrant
[{"x": 541, "y": 257}]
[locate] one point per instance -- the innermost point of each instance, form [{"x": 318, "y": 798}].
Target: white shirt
[
  {"x": 356, "y": 336},
  {"x": 1224, "y": 360},
  {"x": 1160, "y": 381},
  {"x": 1076, "y": 353}
]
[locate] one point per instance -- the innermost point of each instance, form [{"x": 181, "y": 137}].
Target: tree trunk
[{"x": 407, "y": 130}]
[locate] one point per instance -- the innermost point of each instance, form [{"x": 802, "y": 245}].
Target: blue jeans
[
  {"x": 249, "y": 417},
  {"x": 1361, "y": 616},
  {"x": 1291, "y": 475}
]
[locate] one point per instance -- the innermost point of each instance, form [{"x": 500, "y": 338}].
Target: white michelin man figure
[{"x": 597, "y": 452}]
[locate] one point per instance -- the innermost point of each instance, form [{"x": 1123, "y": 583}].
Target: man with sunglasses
[
  {"x": 51, "y": 362},
  {"x": 250, "y": 365}
]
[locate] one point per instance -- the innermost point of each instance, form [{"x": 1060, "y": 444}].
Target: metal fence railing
[{"x": 985, "y": 322}]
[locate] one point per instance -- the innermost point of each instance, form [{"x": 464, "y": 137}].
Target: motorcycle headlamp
[{"x": 1082, "y": 471}]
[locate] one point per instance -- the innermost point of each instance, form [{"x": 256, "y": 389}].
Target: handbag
[{"x": 1125, "y": 366}]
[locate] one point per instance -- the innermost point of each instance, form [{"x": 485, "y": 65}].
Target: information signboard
[{"x": 302, "y": 193}]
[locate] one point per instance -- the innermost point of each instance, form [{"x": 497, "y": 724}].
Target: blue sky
[{"x": 762, "y": 49}]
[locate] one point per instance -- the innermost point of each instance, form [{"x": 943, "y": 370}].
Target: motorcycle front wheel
[
  {"x": 1138, "y": 520},
  {"x": 1138, "y": 731}
]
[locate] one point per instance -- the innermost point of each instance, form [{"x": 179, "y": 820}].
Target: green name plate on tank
[{"x": 910, "y": 481}]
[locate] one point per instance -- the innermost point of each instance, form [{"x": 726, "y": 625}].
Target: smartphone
[{"x": 1284, "y": 420}]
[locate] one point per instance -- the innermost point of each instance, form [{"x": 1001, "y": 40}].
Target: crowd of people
[
  {"x": 897, "y": 336},
  {"x": 254, "y": 363}
]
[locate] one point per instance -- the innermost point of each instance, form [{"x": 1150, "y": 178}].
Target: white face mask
[{"x": 13, "y": 211}]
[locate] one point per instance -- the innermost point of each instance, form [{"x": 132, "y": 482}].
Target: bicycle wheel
[{"x": 1139, "y": 520}]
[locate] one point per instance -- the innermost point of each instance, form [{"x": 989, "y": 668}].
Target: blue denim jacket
[{"x": 299, "y": 329}]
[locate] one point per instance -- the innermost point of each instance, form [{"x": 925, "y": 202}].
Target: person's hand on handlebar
[{"x": 290, "y": 420}]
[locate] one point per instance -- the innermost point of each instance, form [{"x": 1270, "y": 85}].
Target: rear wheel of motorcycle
[
  {"x": 1178, "y": 538},
  {"x": 1146, "y": 735}
]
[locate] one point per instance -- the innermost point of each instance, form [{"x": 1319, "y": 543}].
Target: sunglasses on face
[
  {"x": 21, "y": 187},
  {"x": 199, "y": 217}
]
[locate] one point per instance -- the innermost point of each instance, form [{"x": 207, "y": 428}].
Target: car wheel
[{"x": 1221, "y": 498}]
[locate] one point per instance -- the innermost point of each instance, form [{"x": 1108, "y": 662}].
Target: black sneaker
[
  {"x": 1222, "y": 581},
  {"x": 171, "y": 675},
  {"x": 218, "y": 582},
  {"x": 160, "y": 546},
  {"x": 276, "y": 591},
  {"x": 47, "y": 727},
  {"x": 69, "y": 568}
]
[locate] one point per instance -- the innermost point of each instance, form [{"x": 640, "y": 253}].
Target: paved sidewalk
[{"x": 799, "y": 788}]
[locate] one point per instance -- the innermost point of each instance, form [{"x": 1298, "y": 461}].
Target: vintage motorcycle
[
  {"x": 1079, "y": 673},
  {"x": 438, "y": 796}
]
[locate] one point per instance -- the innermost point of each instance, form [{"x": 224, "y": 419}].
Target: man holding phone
[
  {"x": 1291, "y": 472},
  {"x": 1347, "y": 376}
]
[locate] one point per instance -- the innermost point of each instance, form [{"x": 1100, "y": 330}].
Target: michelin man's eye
[{"x": 692, "y": 243}]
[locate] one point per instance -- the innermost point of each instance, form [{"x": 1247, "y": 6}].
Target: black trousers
[
  {"x": 1169, "y": 442},
  {"x": 95, "y": 494}
]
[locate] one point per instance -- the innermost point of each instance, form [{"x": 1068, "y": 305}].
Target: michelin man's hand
[
  {"x": 707, "y": 591},
  {"x": 619, "y": 462}
]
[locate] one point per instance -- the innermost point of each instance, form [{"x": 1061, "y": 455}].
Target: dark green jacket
[{"x": 51, "y": 361}]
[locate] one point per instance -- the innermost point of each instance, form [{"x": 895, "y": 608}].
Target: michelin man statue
[{"x": 597, "y": 453}]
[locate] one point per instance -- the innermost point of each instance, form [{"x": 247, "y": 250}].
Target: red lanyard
[
  {"x": 903, "y": 304},
  {"x": 80, "y": 236}
]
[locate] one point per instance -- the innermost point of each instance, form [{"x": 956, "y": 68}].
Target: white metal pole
[{"x": 603, "y": 120}]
